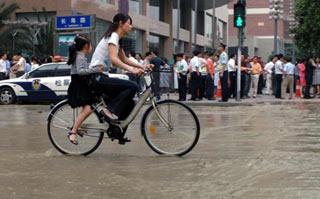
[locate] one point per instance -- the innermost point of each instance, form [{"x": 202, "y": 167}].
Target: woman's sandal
[{"x": 75, "y": 142}]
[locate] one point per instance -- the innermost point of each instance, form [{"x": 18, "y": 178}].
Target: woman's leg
[
  {"x": 85, "y": 112},
  {"x": 120, "y": 93}
]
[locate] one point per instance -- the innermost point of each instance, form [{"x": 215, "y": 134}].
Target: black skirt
[{"x": 79, "y": 93}]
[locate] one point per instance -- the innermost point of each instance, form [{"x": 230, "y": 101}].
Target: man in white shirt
[
  {"x": 147, "y": 58},
  {"x": 232, "y": 70},
  {"x": 181, "y": 70},
  {"x": 268, "y": 70},
  {"x": 35, "y": 63},
  {"x": 20, "y": 65},
  {"x": 278, "y": 72},
  {"x": 133, "y": 77},
  {"x": 203, "y": 74},
  {"x": 223, "y": 61},
  {"x": 288, "y": 77},
  {"x": 195, "y": 75},
  {"x": 3, "y": 66}
]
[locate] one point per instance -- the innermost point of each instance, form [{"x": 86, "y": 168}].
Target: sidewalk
[{"x": 261, "y": 99}]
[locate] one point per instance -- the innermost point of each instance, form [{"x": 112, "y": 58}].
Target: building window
[
  {"x": 31, "y": 16},
  {"x": 193, "y": 23},
  {"x": 175, "y": 13},
  {"x": 208, "y": 26},
  {"x": 175, "y": 17},
  {"x": 200, "y": 22},
  {"x": 105, "y": 1},
  {"x": 135, "y": 6},
  {"x": 133, "y": 41},
  {"x": 222, "y": 31},
  {"x": 156, "y": 8},
  {"x": 178, "y": 46},
  {"x": 154, "y": 43},
  {"x": 101, "y": 27}
]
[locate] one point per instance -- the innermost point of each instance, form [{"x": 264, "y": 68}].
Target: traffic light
[{"x": 239, "y": 10}]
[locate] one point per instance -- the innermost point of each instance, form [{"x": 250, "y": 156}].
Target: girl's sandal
[{"x": 75, "y": 142}]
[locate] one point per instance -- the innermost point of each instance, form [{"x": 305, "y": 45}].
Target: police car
[{"x": 48, "y": 83}]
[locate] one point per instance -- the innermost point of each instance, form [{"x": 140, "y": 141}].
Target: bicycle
[{"x": 168, "y": 126}]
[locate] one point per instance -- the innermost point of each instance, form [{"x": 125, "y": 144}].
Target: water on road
[{"x": 261, "y": 151}]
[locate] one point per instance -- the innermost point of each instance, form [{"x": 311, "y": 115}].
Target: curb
[{"x": 248, "y": 103}]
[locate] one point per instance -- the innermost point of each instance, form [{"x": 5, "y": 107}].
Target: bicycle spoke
[
  {"x": 61, "y": 127},
  {"x": 61, "y": 120}
]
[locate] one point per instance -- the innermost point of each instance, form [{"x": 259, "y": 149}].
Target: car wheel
[{"x": 7, "y": 96}]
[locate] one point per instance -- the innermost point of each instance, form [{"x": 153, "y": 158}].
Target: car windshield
[
  {"x": 43, "y": 71},
  {"x": 50, "y": 70}
]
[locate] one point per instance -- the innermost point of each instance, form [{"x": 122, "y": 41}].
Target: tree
[
  {"x": 23, "y": 34},
  {"x": 45, "y": 37},
  {"x": 307, "y": 32},
  {"x": 5, "y": 14}
]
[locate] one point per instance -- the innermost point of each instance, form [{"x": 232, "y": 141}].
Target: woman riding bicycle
[{"x": 109, "y": 51}]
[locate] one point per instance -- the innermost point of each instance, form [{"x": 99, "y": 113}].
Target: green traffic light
[{"x": 239, "y": 21}]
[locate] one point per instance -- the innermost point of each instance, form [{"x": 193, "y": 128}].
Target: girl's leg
[{"x": 85, "y": 112}]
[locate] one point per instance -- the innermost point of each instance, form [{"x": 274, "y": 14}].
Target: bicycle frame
[
  {"x": 146, "y": 94},
  {"x": 125, "y": 123}
]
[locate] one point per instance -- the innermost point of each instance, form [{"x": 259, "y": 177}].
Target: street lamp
[
  {"x": 276, "y": 13},
  {"x": 292, "y": 25}
]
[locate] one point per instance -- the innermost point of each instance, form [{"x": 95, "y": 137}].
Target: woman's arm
[
  {"x": 126, "y": 60},
  {"x": 116, "y": 61}
]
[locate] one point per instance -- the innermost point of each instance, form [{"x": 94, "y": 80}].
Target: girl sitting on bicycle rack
[
  {"x": 120, "y": 92},
  {"x": 78, "y": 92}
]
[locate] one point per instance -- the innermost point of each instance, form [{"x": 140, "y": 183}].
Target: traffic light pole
[
  {"x": 239, "y": 21},
  {"x": 239, "y": 64}
]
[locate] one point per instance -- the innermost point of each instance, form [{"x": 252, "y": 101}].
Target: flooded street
[{"x": 261, "y": 151}]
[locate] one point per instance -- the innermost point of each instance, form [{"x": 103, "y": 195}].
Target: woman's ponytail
[{"x": 117, "y": 19}]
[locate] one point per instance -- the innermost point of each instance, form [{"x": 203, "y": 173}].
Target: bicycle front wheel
[
  {"x": 60, "y": 122},
  {"x": 182, "y": 135}
]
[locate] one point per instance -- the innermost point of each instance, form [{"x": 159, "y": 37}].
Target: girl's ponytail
[
  {"x": 79, "y": 42},
  {"x": 72, "y": 54}
]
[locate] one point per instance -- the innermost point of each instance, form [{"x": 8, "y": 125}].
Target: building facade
[
  {"x": 166, "y": 26},
  {"x": 259, "y": 31}
]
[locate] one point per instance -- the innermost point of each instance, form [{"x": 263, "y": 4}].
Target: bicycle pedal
[{"x": 123, "y": 141}]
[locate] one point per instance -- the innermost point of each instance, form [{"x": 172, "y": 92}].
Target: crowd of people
[
  {"x": 17, "y": 65},
  {"x": 202, "y": 74}
]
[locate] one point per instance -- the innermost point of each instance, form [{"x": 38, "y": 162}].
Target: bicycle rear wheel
[
  {"x": 181, "y": 138},
  {"x": 60, "y": 122}
]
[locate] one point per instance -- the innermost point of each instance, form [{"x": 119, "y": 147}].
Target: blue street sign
[{"x": 73, "y": 22}]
